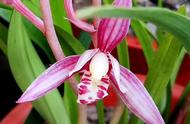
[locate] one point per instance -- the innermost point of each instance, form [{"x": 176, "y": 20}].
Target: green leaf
[
  {"x": 125, "y": 117},
  {"x": 3, "y": 47},
  {"x": 100, "y": 112},
  {"x": 58, "y": 12},
  {"x": 107, "y": 2},
  {"x": 159, "y": 16},
  {"x": 160, "y": 35},
  {"x": 39, "y": 39},
  {"x": 3, "y": 33},
  {"x": 34, "y": 118},
  {"x": 5, "y": 14},
  {"x": 70, "y": 99},
  {"x": 161, "y": 67},
  {"x": 4, "y": 6},
  {"x": 85, "y": 39},
  {"x": 3, "y": 38},
  {"x": 123, "y": 55},
  {"x": 70, "y": 40},
  {"x": 59, "y": 15},
  {"x": 134, "y": 3},
  {"x": 182, "y": 10},
  {"x": 144, "y": 38},
  {"x": 187, "y": 120},
  {"x": 181, "y": 103},
  {"x": 26, "y": 66},
  {"x": 34, "y": 6},
  {"x": 160, "y": 2},
  {"x": 177, "y": 66},
  {"x": 167, "y": 110}
]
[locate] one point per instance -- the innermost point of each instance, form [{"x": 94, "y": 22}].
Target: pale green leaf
[{"x": 26, "y": 66}]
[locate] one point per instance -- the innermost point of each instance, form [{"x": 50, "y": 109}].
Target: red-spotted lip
[{"x": 90, "y": 90}]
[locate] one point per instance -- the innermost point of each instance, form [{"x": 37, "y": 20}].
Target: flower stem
[
  {"x": 21, "y": 8},
  {"x": 57, "y": 51},
  {"x": 117, "y": 112},
  {"x": 82, "y": 114},
  {"x": 50, "y": 31}
]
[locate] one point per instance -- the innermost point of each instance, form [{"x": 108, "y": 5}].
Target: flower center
[{"x": 99, "y": 66}]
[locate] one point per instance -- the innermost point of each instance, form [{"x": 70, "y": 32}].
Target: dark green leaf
[
  {"x": 3, "y": 38},
  {"x": 85, "y": 39},
  {"x": 123, "y": 55},
  {"x": 34, "y": 118},
  {"x": 5, "y": 14},
  {"x": 70, "y": 103},
  {"x": 100, "y": 112},
  {"x": 70, "y": 40}
]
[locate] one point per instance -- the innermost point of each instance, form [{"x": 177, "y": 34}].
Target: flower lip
[{"x": 99, "y": 66}]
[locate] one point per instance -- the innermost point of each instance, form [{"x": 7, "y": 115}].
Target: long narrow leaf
[
  {"x": 26, "y": 66},
  {"x": 3, "y": 38},
  {"x": 59, "y": 15},
  {"x": 70, "y": 40},
  {"x": 144, "y": 38}
]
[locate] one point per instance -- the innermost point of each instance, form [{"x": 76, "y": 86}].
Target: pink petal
[
  {"x": 84, "y": 58},
  {"x": 137, "y": 98},
  {"x": 49, "y": 79},
  {"x": 112, "y": 31},
  {"x": 72, "y": 17},
  {"x": 22, "y": 9},
  {"x": 116, "y": 73},
  {"x": 90, "y": 91}
]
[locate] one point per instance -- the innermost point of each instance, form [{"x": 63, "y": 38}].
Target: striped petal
[
  {"x": 85, "y": 57},
  {"x": 116, "y": 73},
  {"x": 137, "y": 98},
  {"x": 90, "y": 90},
  {"x": 49, "y": 79},
  {"x": 72, "y": 17},
  {"x": 112, "y": 31}
]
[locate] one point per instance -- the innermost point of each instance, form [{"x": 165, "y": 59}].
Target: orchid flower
[{"x": 99, "y": 69}]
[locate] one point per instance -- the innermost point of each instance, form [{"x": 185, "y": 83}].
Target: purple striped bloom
[{"x": 99, "y": 69}]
